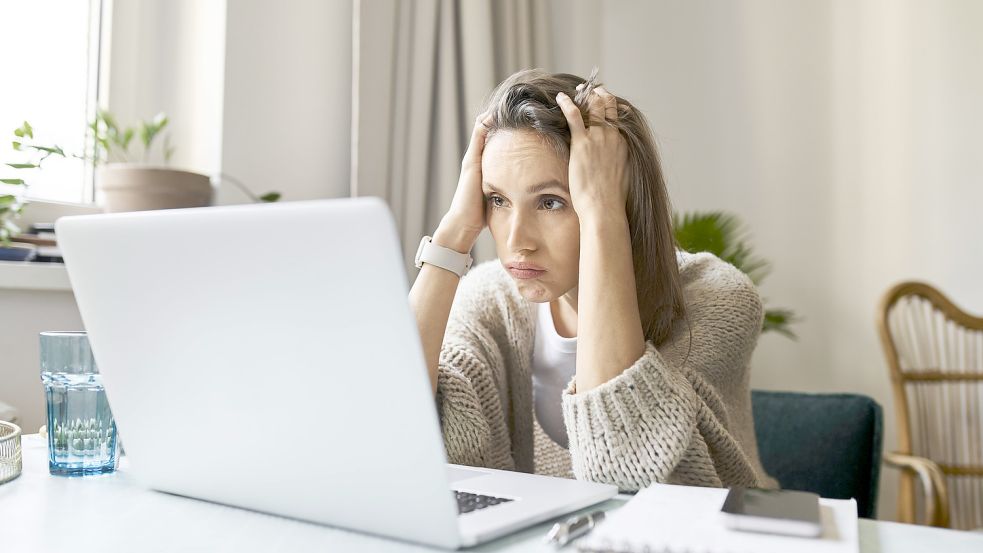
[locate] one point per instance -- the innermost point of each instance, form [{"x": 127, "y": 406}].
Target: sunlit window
[{"x": 50, "y": 53}]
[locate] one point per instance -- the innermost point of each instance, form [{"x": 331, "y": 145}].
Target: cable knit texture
[{"x": 680, "y": 414}]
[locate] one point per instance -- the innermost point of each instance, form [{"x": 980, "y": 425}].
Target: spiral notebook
[{"x": 665, "y": 519}]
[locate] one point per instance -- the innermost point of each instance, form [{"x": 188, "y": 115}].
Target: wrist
[
  {"x": 455, "y": 237},
  {"x": 598, "y": 216}
]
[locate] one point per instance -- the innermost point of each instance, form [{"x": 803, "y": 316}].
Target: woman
[{"x": 591, "y": 348}]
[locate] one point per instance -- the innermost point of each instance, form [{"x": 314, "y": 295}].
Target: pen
[{"x": 564, "y": 532}]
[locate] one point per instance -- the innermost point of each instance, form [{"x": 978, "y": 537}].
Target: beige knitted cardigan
[{"x": 681, "y": 414}]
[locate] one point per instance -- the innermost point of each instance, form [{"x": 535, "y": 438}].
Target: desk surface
[{"x": 41, "y": 513}]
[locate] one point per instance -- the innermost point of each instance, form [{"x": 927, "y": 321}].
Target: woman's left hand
[{"x": 598, "y": 157}]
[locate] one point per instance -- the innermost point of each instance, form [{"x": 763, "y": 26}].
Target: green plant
[
  {"x": 723, "y": 235},
  {"x": 110, "y": 143},
  {"x": 11, "y": 205}
]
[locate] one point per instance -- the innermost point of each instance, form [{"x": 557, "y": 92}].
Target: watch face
[{"x": 419, "y": 251}]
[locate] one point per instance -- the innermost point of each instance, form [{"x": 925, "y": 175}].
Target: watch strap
[{"x": 445, "y": 258}]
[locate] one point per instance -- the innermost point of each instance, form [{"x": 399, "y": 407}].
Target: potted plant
[
  {"x": 131, "y": 185},
  {"x": 128, "y": 183}
]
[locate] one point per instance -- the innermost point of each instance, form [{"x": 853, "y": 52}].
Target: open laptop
[{"x": 265, "y": 356}]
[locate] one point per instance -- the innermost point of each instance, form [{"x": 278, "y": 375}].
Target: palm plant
[{"x": 723, "y": 235}]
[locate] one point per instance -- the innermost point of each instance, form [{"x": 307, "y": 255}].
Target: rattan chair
[{"x": 935, "y": 354}]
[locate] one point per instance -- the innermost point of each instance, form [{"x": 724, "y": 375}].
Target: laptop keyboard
[{"x": 468, "y": 502}]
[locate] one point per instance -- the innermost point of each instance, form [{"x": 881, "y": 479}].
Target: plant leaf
[
  {"x": 24, "y": 130},
  {"x": 127, "y": 137},
  {"x": 270, "y": 197},
  {"x": 168, "y": 149},
  {"x": 10, "y": 227},
  {"x": 23, "y": 165},
  {"x": 50, "y": 149},
  {"x": 778, "y": 320},
  {"x": 150, "y": 129},
  {"x": 12, "y": 181},
  {"x": 6, "y": 201},
  {"x": 721, "y": 234},
  {"x": 146, "y": 134},
  {"x": 108, "y": 119},
  {"x": 16, "y": 145}
]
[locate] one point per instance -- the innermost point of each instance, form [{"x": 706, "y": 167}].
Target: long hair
[{"x": 527, "y": 101}]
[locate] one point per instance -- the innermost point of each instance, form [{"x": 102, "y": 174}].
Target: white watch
[{"x": 445, "y": 258}]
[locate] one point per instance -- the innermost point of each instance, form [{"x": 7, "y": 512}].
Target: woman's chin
[{"x": 533, "y": 291}]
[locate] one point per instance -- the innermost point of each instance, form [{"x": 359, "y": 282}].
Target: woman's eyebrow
[{"x": 553, "y": 183}]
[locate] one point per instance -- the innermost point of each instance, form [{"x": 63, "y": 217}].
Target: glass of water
[{"x": 81, "y": 431}]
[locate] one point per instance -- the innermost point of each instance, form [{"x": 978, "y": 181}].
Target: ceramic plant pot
[{"x": 129, "y": 187}]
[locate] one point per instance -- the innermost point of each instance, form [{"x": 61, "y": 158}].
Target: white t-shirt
[{"x": 554, "y": 361}]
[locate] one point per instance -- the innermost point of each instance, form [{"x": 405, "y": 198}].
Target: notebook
[{"x": 665, "y": 518}]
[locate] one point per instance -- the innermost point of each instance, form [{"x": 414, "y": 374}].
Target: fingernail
[{"x": 559, "y": 95}]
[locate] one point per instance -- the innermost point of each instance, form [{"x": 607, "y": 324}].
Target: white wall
[
  {"x": 287, "y": 113},
  {"x": 844, "y": 133},
  {"x": 168, "y": 56},
  {"x": 257, "y": 89},
  {"x": 24, "y": 314}
]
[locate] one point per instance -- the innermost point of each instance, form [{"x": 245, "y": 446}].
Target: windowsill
[
  {"x": 51, "y": 277},
  {"x": 47, "y": 211},
  {"x": 17, "y": 275}
]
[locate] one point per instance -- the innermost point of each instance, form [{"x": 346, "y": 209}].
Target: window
[{"x": 50, "y": 71}]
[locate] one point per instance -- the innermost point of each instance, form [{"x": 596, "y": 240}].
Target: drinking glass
[{"x": 81, "y": 431}]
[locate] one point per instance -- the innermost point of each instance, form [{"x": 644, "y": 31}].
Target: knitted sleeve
[
  {"x": 470, "y": 410},
  {"x": 663, "y": 422},
  {"x": 469, "y": 391}
]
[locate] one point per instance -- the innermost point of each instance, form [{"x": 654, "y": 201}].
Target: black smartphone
[{"x": 784, "y": 512}]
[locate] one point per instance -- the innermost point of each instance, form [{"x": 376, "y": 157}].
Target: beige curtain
[{"x": 421, "y": 70}]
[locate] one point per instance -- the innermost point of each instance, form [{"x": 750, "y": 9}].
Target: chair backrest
[
  {"x": 934, "y": 351},
  {"x": 829, "y": 444}
]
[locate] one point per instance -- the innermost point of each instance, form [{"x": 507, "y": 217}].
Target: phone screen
[{"x": 774, "y": 511}]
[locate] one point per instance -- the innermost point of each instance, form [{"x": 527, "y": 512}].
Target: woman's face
[{"x": 529, "y": 213}]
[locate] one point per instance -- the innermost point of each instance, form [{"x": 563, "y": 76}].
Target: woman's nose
[{"x": 522, "y": 233}]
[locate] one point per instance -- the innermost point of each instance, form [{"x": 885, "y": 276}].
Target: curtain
[{"x": 421, "y": 70}]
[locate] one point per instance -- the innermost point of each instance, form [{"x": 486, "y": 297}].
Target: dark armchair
[{"x": 829, "y": 444}]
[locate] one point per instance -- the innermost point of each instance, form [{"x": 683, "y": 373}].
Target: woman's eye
[
  {"x": 552, "y": 204},
  {"x": 496, "y": 201}
]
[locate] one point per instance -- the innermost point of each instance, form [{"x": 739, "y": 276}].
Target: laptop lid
[{"x": 265, "y": 356}]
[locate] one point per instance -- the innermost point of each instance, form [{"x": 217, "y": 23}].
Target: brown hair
[{"x": 527, "y": 101}]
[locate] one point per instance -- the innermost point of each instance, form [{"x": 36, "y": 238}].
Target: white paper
[{"x": 671, "y": 518}]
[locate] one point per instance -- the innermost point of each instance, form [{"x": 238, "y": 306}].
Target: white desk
[{"x": 40, "y": 513}]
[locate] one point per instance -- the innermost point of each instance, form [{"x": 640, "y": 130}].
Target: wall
[
  {"x": 168, "y": 56},
  {"x": 257, "y": 89},
  {"x": 287, "y": 110},
  {"x": 25, "y": 314},
  {"x": 844, "y": 133}
]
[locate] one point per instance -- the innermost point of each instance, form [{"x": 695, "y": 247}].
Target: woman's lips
[{"x": 525, "y": 273}]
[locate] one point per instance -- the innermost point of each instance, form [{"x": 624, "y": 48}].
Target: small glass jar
[{"x": 10, "y": 451}]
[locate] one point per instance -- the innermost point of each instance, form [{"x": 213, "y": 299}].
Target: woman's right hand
[{"x": 464, "y": 221}]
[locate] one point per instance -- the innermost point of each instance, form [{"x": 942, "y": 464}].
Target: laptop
[{"x": 266, "y": 357}]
